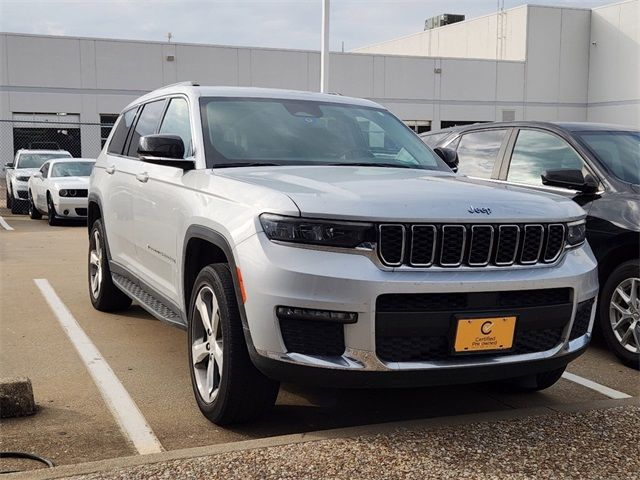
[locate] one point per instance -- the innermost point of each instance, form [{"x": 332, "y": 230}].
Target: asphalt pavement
[{"x": 74, "y": 424}]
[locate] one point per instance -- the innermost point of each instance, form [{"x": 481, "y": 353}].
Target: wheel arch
[{"x": 627, "y": 247}]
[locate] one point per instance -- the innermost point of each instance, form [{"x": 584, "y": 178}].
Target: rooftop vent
[{"x": 442, "y": 20}]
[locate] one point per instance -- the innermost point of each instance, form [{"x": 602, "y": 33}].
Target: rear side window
[
  {"x": 176, "y": 122},
  {"x": 146, "y": 125},
  {"x": 478, "y": 152},
  {"x": 120, "y": 134}
]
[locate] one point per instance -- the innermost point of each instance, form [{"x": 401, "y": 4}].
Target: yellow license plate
[{"x": 481, "y": 334}]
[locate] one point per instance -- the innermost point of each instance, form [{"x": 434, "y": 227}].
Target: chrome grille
[{"x": 474, "y": 245}]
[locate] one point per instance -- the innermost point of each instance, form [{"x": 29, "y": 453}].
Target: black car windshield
[
  {"x": 618, "y": 151},
  {"x": 71, "y": 169},
  {"x": 36, "y": 160},
  {"x": 250, "y": 131}
]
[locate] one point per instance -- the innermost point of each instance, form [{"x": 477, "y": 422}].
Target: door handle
[
  {"x": 110, "y": 170},
  {"x": 142, "y": 177}
]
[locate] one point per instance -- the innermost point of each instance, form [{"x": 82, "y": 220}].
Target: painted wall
[
  {"x": 614, "y": 57},
  {"x": 495, "y": 36}
]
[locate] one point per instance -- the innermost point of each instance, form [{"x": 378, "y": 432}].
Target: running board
[{"x": 147, "y": 301}]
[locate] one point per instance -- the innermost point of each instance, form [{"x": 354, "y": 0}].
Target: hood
[
  {"x": 25, "y": 172},
  {"x": 71, "y": 182},
  {"x": 372, "y": 193}
]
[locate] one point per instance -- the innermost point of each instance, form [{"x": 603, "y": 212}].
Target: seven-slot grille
[{"x": 454, "y": 245}]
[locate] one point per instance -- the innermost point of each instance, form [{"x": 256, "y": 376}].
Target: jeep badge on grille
[{"x": 486, "y": 211}]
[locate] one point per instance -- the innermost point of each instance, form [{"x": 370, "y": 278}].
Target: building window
[
  {"x": 419, "y": 126},
  {"x": 107, "y": 121}
]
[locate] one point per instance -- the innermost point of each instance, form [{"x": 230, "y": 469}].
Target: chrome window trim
[
  {"x": 402, "y": 250},
  {"x": 433, "y": 248},
  {"x": 464, "y": 244},
  {"x": 482, "y": 264},
  {"x": 563, "y": 245},
  {"x": 515, "y": 253},
  {"x": 524, "y": 242}
]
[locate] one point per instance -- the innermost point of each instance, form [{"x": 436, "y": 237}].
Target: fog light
[
  {"x": 66, "y": 212},
  {"x": 294, "y": 313}
]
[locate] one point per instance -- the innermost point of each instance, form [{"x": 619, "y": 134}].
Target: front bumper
[
  {"x": 71, "y": 207},
  {"x": 282, "y": 275},
  {"x": 20, "y": 190}
]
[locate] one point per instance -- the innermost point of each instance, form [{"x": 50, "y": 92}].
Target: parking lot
[{"x": 74, "y": 423}]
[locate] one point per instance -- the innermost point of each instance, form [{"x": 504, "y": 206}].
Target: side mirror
[
  {"x": 573, "y": 179},
  {"x": 8, "y": 166},
  {"x": 165, "y": 150},
  {"x": 450, "y": 157},
  {"x": 37, "y": 175}
]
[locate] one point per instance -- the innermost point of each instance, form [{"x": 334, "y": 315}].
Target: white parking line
[
  {"x": 5, "y": 225},
  {"x": 126, "y": 412},
  {"x": 585, "y": 382}
]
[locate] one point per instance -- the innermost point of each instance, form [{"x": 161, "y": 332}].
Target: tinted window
[
  {"x": 478, "y": 151},
  {"x": 536, "y": 151},
  {"x": 176, "y": 122},
  {"x": 120, "y": 134},
  {"x": 620, "y": 151},
  {"x": 36, "y": 160},
  {"x": 72, "y": 169},
  {"x": 296, "y": 132},
  {"x": 147, "y": 122}
]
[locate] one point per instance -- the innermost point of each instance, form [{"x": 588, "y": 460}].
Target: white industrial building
[{"x": 530, "y": 62}]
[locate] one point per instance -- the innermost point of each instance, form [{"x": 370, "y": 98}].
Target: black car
[{"x": 598, "y": 166}]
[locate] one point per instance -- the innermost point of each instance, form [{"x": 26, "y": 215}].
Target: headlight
[
  {"x": 63, "y": 193},
  {"x": 22, "y": 179},
  {"x": 576, "y": 232},
  {"x": 317, "y": 232}
]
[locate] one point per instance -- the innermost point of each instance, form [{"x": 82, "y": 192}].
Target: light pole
[{"x": 324, "y": 51}]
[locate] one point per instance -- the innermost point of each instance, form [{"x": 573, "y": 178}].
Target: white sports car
[{"x": 59, "y": 189}]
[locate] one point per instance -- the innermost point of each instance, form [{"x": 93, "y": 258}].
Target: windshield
[
  {"x": 618, "y": 151},
  {"x": 71, "y": 169},
  {"x": 240, "y": 132},
  {"x": 36, "y": 160}
]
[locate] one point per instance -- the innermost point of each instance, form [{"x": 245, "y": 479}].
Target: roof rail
[{"x": 187, "y": 83}]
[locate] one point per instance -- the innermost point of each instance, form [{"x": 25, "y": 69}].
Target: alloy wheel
[
  {"x": 207, "y": 346},
  {"x": 624, "y": 314},
  {"x": 95, "y": 264}
]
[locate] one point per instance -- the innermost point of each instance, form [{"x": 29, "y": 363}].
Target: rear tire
[
  {"x": 34, "y": 213},
  {"x": 535, "y": 382},
  {"x": 227, "y": 386},
  {"x": 617, "y": 287},
  {"x": 51, "y": 212},
  {"x": 105, "y": 296}
]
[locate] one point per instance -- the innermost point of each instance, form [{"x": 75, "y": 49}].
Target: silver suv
[{"x": 314, "y": 238}]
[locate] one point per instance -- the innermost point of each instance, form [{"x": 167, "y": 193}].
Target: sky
[{"x": 265, "y": 23}]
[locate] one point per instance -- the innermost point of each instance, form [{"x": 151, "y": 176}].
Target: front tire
[
  {"x": 227, "y": 386},
  {"x": 52, "y": 218},
  {"x": 8, "y": 196},
  {"x": 34, "y": 213},
  {"x": 619, "y": 312},
  {"x": 105, "y": 296}
]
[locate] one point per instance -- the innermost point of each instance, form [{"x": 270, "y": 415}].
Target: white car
[
  {"x": 60, "y": 189},
  {"x": 315, "y": 238},
  {"x": 25, "y": 164}
]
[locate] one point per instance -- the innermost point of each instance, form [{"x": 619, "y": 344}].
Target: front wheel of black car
[
  {"x": 619, "y": 312},
  {"x": 227, "y": 386}
]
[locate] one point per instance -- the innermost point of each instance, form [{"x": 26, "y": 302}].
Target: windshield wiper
[
  {"x": 245, "y": 164},
  {"x": 371, "y": 164}
]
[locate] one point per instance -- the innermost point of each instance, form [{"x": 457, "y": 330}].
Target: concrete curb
[
  {"x": 350, "y": 432},
  {"x": 16, "y": 397}
]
